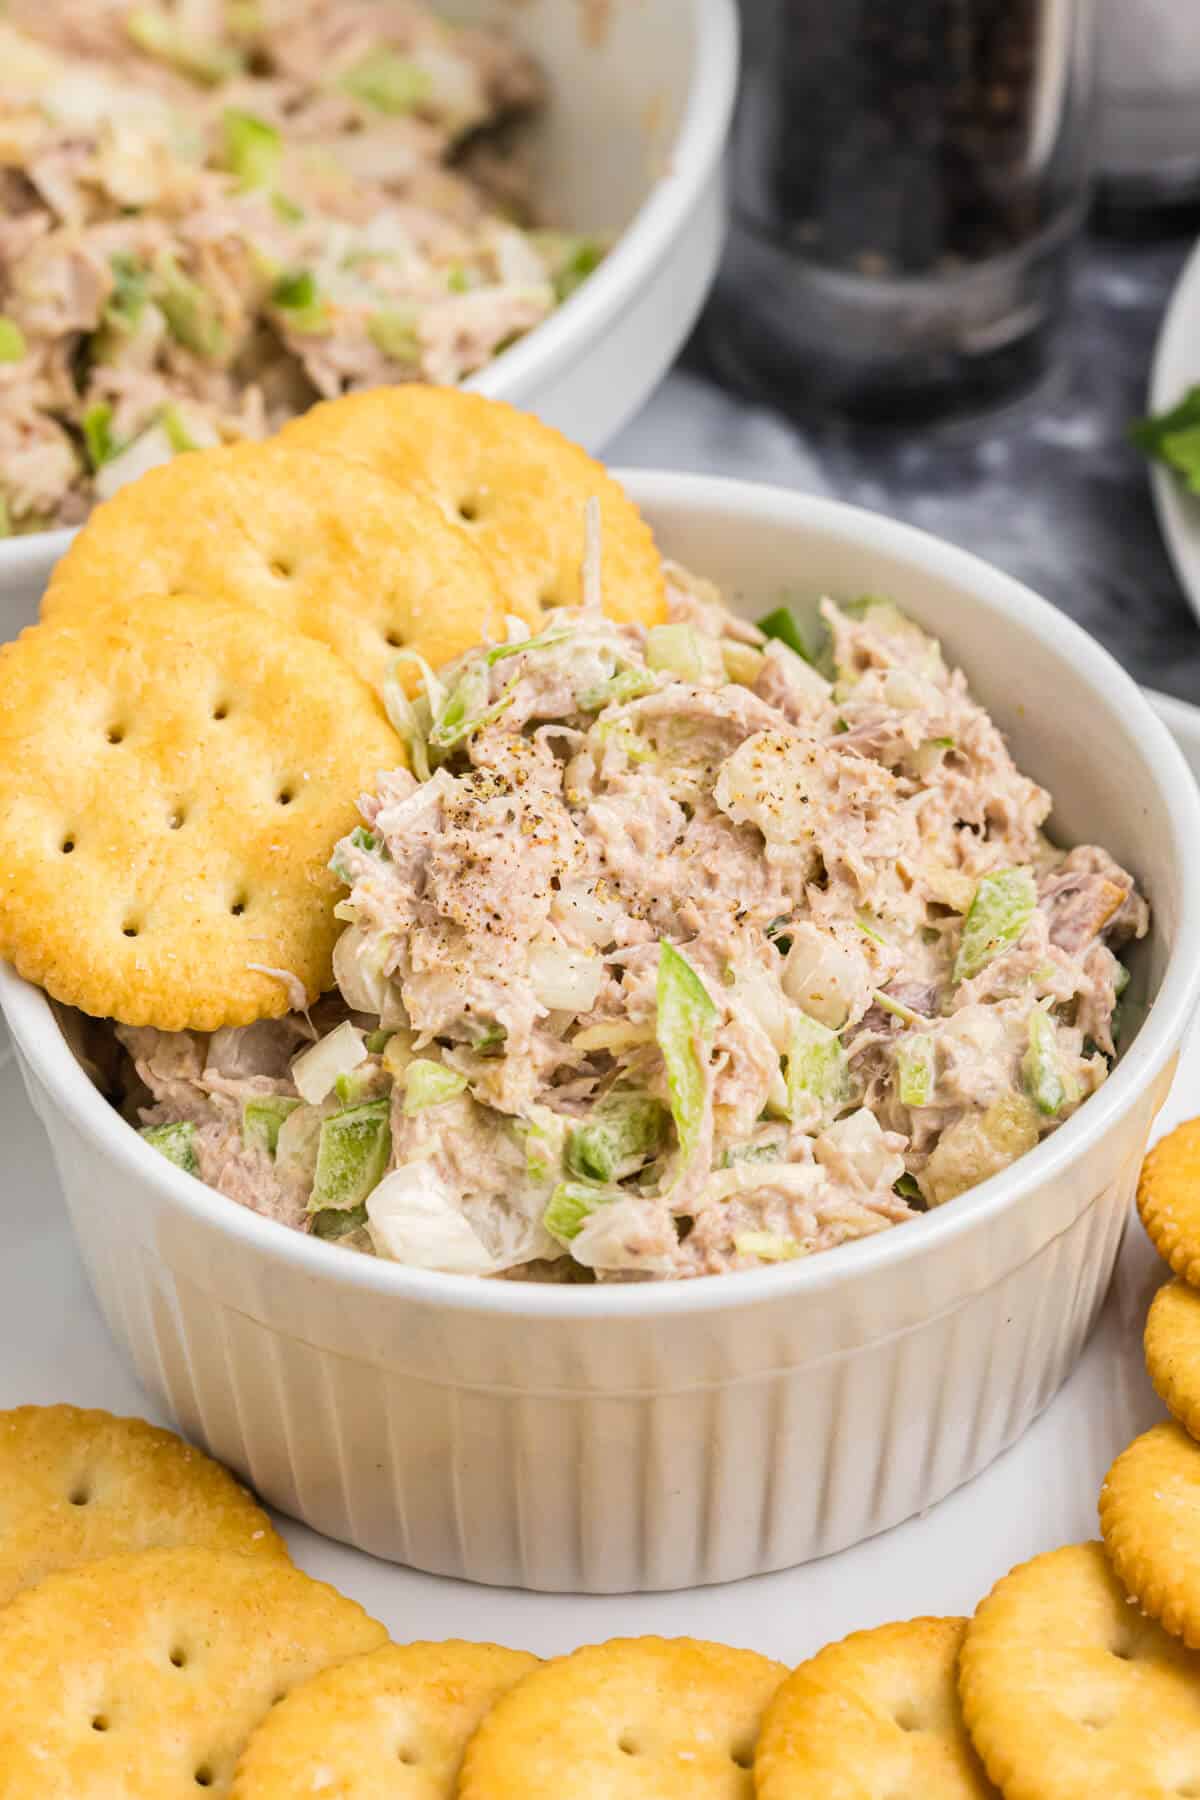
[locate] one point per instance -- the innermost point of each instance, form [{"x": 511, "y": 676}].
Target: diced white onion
[
  {"x": 358, "y": 958},
  {"x": 762, "y": 998},
  {"x": 412, "y": 1219},
  {"x": 315, "y": 1070},
  {"x": 150, "y": 451},
  {"x": 577, "y": 909},
  {"x": 565, "y": 980},
  {"x": 824, "y": 976}
]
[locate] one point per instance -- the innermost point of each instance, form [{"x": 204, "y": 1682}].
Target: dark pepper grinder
[{"x": 908, "y": 178}]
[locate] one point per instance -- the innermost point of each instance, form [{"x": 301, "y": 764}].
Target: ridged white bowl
[
  {"x": 631, "y": 142},
  {"x": 651, "y": 1436}
]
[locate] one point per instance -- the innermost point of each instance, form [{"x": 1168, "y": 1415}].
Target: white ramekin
[
  {"x": 650, "y": 1436},
  {"x": 635, "y": 127}
]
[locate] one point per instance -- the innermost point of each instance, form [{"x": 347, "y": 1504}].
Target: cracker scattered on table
[
  {"x": 875, "y": 1715},
  {"x": 319, "y": 544},
  {"x": 1069, "y": 1692},
  {"x": 144, "y": 1675},
  {"x": 174, "y": 775},
  {"x": 1173, "y": 1351},
  {"x": 391, "y": 1725},
  {"x": 1150, "y": 1522},
  {"x": 1168, "y": 1198},
  {"x": 519, "y": 488},
  {"x": 77, "y": 1486},
  {"x": 672, "y": 1718}
]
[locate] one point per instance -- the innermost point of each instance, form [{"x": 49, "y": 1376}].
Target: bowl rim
[
  {"x": 690, "y": 160},
  {"x": 42, "y": 1043}
]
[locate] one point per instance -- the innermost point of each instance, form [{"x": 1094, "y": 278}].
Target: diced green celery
[
  {"x": 915, "y": 1070},
  {"x": 98, "y": 439},
  {"x": 131, "y": 290},
  {"x": 803, "y": 631},
  {"x": 675, "y": 648},
  {"x": 262, "y": 1119},
  {"x": 287, "y": 210},
  {"x": 191, "y": 314},
  {"x": 177, "y": 1142},
  {"x": 352, "y": 1156},
  {"x": 178, "y": 435},
  {"x": 12, "y": 340},
  {"x": 1003, "y": 905},
  {"x": 464, "y": 711},
  {"x": 817, "y": 1073},
  {"x": 545, "y": 640},
  {"x": 377, "y": 1042},
  {"x": 571, "y": 1204},
  {"x": 156, "y": 34},
  {"x": 459, "y": 280},
  {"x": 768, "y": 1246},
  {"x": 751, "y": 1153},
  {"x": 296, "y": 296},
  {"x": 743, "y": 663},
  {"x": 338, "y": 1222},
  {"x": 389, "y": 82},
  {"x": 361, "y": 839},
  {"x": 623, "y": 1133},
  {"x": 1046, "y": 1081},
  {"x": 1121, "y": 979},
  {"x": 428, "y": 1083},
  {"x": 252, "y": 148},
  {"x": 579, "y": 258},
  {"x": 395, "y": 333},
  {"x": 686, "y": 1021},
  {"x": 909, "y": 1189},
  {"x": 626, "y": 684}
]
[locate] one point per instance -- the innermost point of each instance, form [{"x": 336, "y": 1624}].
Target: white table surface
[{"x": 54, "y": 1346}]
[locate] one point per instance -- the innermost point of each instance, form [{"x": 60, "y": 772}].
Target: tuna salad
[
  {"x": 676, "y": 951},
  {"x": 216, "y": 211}
]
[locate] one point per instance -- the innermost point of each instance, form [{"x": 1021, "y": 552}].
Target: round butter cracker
[
  {"x": 1069, "y": 1692},
  {"x": 874, "y": 1715},
  {"x": 517, "y": 487},
  {"x": 391, "y": 1725},
  {"x": 318, "y": 544},
  {"x": 667, "y": 1718},
  {"x": 78, "y": 1486},
  {"x": 1150, "y": 1522},
  {"x": 174, "y": 775},
  {"x": 144, "y": 1675},
  {"x": 1173, "y": 1351},
  {"x": 1168, "y": 1199}
]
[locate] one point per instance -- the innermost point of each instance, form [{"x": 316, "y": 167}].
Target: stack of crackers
[{"x": 185, "y": 735}]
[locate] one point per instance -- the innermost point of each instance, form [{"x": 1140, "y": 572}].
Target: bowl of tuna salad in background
[
  {"x": 906, "y": 1136},
  {"x": 215, "y": 215}
]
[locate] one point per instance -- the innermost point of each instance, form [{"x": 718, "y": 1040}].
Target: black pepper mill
[{"x": 908, "y": 178}]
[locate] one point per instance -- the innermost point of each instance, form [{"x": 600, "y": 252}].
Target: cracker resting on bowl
[
  {"x": 82, "y": 1485},
  {"x": 321, "y": 545},
  {"x": 516, "y": 486},
  {"x": 174, "y": 774}
]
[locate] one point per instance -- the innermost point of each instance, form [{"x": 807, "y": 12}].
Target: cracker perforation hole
[
  {"x": 907, "y": 1717},
  {"x": 116, "y": 734},
  {"x": 468, "y": 510},
  {"x": 1122, "y": 1651},
  {"x": 628, "y": 1745},
  {"x": 282, "y": 568},
  {"x": 204, "y": 1776},
  {"x": 221, "y": 710},
  {"x": 130, "y": 928},
  {"x": 742, "y": 1755},
  {"x": 238, "y": 906},
  {"x": 178, "y": 1657},
  {"x": 80, "y": 1495},
  {"x": 408, "y": 1756},
  {"x": 67, "y": 846},
  {"x": 285, "y": 796},
  {"x": 100, "y": 1722},
  {"x": 393, "y": 639}
]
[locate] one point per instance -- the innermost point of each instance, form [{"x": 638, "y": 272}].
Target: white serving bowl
[
  {"x": 631, "y": 142},
  {"x": 656, "y": 1436}
]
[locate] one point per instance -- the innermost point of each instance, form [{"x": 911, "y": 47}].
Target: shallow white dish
[
  {"x": 1176, "y": 368},
  {"x": 632, "y": 141},
  {"x": 655, "y": 1437}
]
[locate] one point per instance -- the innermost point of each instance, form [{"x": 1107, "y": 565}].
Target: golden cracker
[
  {"x": 78, "y": 1486},
  {"x": 519, "y": 488},
  {"x": 672, "y": 1718},
  {"x": 391, "y": 1725},
  {"x": 174, "y": 774},
  {"x": 1173, "y": 1351},
  {"x": 143, "y": 1676},
  {"x": 877, "y": 1714},
  {"x": 1150, "y": 1522},
  {"x": 1168, "y": 1199},
  {"x": 321, "y": 545},
  {"x": 1069, "y": 1692}
]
